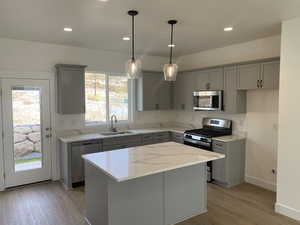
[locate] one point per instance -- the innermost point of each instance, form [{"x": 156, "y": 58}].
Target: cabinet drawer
[
  {"x": 219, "y": 145},
  {"x": 147, "y": 137},
  {"x": 122, "y": 140},
  {"x": 177, "y": 136},
  {"x": 161, "y": 136},
  {"x": 120, "y": 146}
]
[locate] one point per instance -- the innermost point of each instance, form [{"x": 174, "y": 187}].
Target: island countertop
[{"x": 135, "y": 162}]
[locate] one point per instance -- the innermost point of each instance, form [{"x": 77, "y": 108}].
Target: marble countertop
[
  {"x": 95, "y": 136},
  {"x": 132, "y": 163},
  {"x": 228, "y": 138}
]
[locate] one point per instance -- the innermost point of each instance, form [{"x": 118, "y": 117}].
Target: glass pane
[
  {"x": 27, "y": 128},
  {"x": 95, "y": 97},
  {"x": 118, "y": 96}
]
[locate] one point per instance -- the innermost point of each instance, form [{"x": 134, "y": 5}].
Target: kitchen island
[{"x": 157, "y": 184}]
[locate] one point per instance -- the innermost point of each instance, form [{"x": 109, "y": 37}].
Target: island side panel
[
  {"x": 96, "y": 192},
  {"x": 185, "y": 193},
  {"x": 138, "y": 201}
]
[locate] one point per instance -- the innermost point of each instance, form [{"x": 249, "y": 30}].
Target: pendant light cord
[
  {"x": 132, "y": 39},
  {"x": 171, "y": 46}
]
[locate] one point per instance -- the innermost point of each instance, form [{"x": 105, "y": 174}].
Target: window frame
[{"x": 130, "y": 87}]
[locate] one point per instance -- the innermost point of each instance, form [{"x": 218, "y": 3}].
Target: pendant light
[
  {"x": 133, "y": 66},
  {"x": 170, "y": 70}
]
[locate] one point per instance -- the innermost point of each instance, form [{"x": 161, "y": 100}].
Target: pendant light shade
[
  {"x": 171, "y": 69},
  {"x": 133, "y": 66},
  {"x": 170, "y": 72}
]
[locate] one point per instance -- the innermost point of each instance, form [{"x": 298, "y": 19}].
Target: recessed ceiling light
[
  {"x": 126, "y": 38},
  {"x": 228, "y": 28},
  {"x": 68, "y": 29},
  {"x": 171, "y": 46}
]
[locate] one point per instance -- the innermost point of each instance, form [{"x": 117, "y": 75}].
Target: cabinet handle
[
  {"x": 261, "y": 83},
  {"x": 257, "y": 84},
  {"x": 156, "y": 106},
  {"x": 182, "y": 106}
]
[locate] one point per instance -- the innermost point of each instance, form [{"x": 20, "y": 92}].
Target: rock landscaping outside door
[{"x": 27, "y": 138}]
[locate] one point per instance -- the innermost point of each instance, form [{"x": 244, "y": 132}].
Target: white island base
[{"x": 160, "y": 199}]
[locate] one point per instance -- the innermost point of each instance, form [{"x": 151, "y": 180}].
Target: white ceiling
[{"x": 101, "y": 25}]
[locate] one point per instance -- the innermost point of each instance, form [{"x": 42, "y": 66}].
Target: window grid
[{"x": 107, "y": 100}]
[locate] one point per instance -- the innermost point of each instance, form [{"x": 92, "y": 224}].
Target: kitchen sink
[{"x": 116, "y": 133}]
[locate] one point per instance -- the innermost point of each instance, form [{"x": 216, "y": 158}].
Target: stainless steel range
[{"x": 202, "y": 138}]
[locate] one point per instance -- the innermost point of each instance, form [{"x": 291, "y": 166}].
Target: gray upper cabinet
[
  {"x": 248, "y": 76},
  {"x": 153, "y": 92},
  {"x": 183, "y": 91},
  {"x": 70, "y": 89},
  {"x": 209, "y": 80},
  {"x": 258, "y": 75},
  {"x": 216, "y": 79},
  {"x": 270, "y": 75},
  {"x": 234, "y": 99}
]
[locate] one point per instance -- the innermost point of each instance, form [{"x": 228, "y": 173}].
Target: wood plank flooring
[{"x": 49, "y": 204}]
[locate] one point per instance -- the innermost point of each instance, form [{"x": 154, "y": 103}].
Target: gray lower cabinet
[
  {"x": 229, "y": 171},
  {"x": 234, "y": 99},
  {"x": 70, "y": 81},
  {"x": 121, "y": 142},
  {"x": 153, "y": 92},
  {"x": 71, "y": 163},
  {"x": 154, "y": 138},
  {"x": 177, "y": 137}
]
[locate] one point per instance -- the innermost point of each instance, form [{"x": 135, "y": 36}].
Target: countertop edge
[{"x": 150, "y": 173}]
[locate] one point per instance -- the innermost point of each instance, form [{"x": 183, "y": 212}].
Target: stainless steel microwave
[{"x": 208, "y": 100}]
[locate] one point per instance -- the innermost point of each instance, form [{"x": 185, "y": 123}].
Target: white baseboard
[
  {"x": 287, "y": 211},
  {"x": 261, "y": 183}
]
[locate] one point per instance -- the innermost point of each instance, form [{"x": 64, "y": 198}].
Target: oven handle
[{"x": 197, "y": 142}]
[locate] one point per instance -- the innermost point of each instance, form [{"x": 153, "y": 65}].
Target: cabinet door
[
  {"x": 248, "y": 76},
  {"x": 234, "y": 100},
  {"x": 189, "y": 88},
  {"x": 164, "y": 94},
  {"x": 70, "y": 86},
  {"x": 201, "y": 80},
  {"x": 270, "y": 75},
  {"x": 216, "y": 79},
  {"x": 183, "y": 91},
  {"x": 154, "y": 93},
  {"x": 219, "y": 167},
  {"x": 149, "y": 91}
]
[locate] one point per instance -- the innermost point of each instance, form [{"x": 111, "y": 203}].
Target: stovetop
[
  {"x": 212, "y": 127},
  {"x": 209, "y": 133}
]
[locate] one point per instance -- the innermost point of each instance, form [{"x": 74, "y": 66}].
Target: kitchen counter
[
  {"x": 159, "y": 184},
  {"x": 96, "y": 136},
  {"x": 228, "y": 138},
  {"x": 135, "y": 162}
]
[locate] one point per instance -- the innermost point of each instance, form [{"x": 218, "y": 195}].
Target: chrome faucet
[{"x": 113, "y": 119}]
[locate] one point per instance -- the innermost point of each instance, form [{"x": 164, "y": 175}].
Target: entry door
[{"x": 26, "y": 131}]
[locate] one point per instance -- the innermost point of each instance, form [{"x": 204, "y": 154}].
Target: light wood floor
[{"x": 50, "y": 204}]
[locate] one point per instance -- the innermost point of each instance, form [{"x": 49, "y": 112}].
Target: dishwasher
[{"x": 77, "y": 163}]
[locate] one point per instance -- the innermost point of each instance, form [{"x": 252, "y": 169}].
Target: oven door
[{"x": 208, "y": 100}]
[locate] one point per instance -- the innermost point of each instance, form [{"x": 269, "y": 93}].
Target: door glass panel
[
  {"x": 26, "y": 104},
  {"x": 118, "y": 96}
]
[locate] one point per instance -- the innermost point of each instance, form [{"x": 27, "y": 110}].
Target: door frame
[{"x": 50, "y": 76}]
